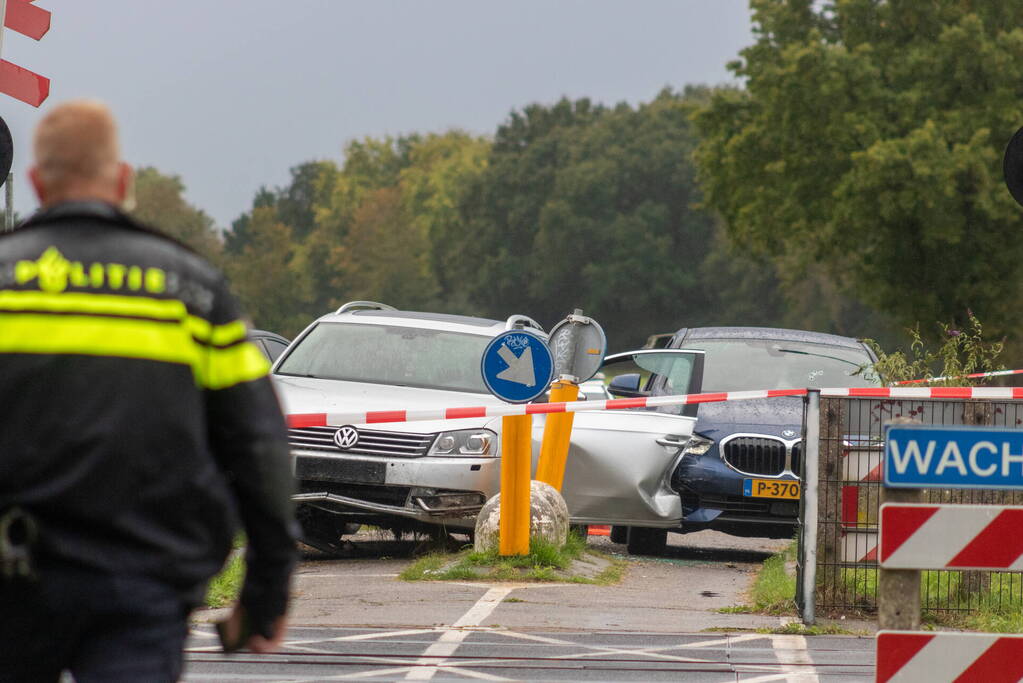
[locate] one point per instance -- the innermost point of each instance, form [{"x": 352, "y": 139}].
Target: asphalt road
[{"x": 353, "y": 619}]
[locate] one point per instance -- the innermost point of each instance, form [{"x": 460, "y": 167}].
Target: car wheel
[
  {"x": 644, "y": 541},
  {"x": 350, "y": 528},
  {"x": 619, "y": 534},
  {"x": 320, "y": 530}
]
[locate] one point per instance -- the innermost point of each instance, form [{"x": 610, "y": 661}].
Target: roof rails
[
  {"x": 364, "y": 306},
  {"x": 515, "y": 322}
]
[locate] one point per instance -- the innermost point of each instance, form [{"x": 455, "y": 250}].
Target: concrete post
[{"x": 898, "y": 590}]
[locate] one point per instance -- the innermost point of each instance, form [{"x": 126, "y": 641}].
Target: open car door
[{"x": 620, "y": 461}]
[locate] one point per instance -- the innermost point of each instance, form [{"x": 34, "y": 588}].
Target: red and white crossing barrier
[
  {"x": 951, "y": 537},
  {"x": 975, "y": 375},
  {"x": 400, "y": 415},
  {"x": 909, "y": 656},
  {"x": 998, "y": 393},
  {"x": 377, "y": 416}
]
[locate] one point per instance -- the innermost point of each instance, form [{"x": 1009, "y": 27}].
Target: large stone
[{"x": 548, "y": 517}]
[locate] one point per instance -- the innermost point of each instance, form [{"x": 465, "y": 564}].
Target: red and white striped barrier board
[
  {"x": 951, "y": 537},
  {"x": 911, "y": 657},
  {"x": 403, "y": 415},
  {"x": 859, "y": 524}
]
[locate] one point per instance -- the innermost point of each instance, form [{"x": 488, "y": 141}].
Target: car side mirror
[{"x": 625, "y": 386}]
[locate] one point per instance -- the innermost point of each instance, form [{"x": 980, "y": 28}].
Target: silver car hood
[{"x": 311, "y": 395}]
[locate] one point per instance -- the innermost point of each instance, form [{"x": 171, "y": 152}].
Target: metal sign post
[
  {"x": 9, "y": 213},
  {"x": 917, "y": 536},
  {"x": 579, "y": 345}
]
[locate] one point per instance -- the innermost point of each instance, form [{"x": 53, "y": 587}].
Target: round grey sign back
[{"x": 578, "y": 345}]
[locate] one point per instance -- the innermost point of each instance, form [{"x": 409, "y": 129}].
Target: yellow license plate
[{"x": 771, "y": 488}]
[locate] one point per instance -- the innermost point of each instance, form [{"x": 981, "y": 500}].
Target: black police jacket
[{"x": 138, "y": 422}]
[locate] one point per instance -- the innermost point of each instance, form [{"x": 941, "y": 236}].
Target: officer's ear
[
  {"x": 37, "y": 184},
  {"x": 126, "y": 186}
]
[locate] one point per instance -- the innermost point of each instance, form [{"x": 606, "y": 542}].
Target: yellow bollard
[
  {"x": 516, "y": 462},
  {"x": 557, "y": 432}
]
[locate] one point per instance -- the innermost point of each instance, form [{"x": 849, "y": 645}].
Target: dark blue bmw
[{"x": 739, "y": 472}]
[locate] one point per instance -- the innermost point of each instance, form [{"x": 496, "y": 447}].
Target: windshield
[
  {"x": 383, "y": 354},
  {"x": 751, "y": 364}
]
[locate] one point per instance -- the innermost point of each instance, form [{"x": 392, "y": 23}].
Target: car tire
[
  {"x": 645, "y": 541},
  {"x": 350, "y": 528},
  {"x": 320, "y": 529},
  {"x": 619, "y": 534}
]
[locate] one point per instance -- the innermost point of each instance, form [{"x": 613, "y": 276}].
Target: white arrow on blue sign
[
  {"x": 953, "y": 457},
  {"x": 517, "y": 366}
]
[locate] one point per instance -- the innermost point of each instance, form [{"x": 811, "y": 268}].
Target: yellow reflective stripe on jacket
[
  {"x": 97, "y": 336},
  {"x": 219, "y": 335},
  {"x": 83, "y": 326},
  {"x": 98, "y": 304},
  {"x": 234, "y": 365}
]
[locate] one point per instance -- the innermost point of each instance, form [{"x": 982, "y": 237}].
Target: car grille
[
  {"x": 396, "y": 496},
  {"x": 739, "y": 505},
  {"x": 759, "y": 455},
  {"x": 797, "y": 459},
  {"x": 736, "y": 505},
  {"x": 371, "y": 442}
]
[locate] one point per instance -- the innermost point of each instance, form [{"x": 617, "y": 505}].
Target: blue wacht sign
[{"x": 953, "y": 457}]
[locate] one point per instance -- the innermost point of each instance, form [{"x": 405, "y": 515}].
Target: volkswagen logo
[
  {"x": 787, "y": 433},
  {"x": 346, "y": 437}
]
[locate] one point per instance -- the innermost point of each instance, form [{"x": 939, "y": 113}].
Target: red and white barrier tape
[
  {"x": 378, "y": 416},
  {"x": 976, "y": 375}
]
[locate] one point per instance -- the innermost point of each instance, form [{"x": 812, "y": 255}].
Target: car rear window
[
  {"x": 750, "y": 364},
  {"x": 392, "y": 355}
]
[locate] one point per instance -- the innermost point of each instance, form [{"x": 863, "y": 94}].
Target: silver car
[{"x": 412, "y": 475}]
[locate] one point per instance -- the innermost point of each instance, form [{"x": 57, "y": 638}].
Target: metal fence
[{"x": 848, "y": 498}]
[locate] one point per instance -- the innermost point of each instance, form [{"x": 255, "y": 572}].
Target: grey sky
[{"x": 229, "y": 94}]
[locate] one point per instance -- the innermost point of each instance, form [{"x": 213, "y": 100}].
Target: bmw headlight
[
  {"x": 697, "y": 445},
  {"x": 465, "y": 442}
]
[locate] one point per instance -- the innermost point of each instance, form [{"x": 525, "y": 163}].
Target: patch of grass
[
  {"x": 798, "y": 629},
  {"x": 774, "y": 591},
  {"x": 513, "y": 600},
  {"x": 418, "y": 570},
  {"x": 225, "y": 586},
  {"x": 735, "y": 609},
  {"x": 995, "y": 608},
  {"x": 545, "y": 562}
]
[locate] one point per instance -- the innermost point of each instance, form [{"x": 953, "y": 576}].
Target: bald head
[{"x": 77, "y": 155}]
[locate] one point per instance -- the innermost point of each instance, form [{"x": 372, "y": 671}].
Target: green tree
[
  {"x": 160, "y": 202},
  {"x": 866, "y": 147},
  {"x": 385, "y": 258},
  {"x": 590, "y": 207},
  {"x": 264, "y": 277},
  {"x": 433, "y": 186}
]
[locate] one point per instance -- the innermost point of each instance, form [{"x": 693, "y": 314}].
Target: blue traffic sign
[
  {"x": 517, "y": 366},
  {"x": 953, "y": 457}
]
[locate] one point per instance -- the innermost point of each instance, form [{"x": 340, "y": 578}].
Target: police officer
[{"x": 138, "y": 428}]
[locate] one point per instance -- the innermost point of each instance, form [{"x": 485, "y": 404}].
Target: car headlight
[
  {"x": 465, "y": 442},
  {"x": 697, "y": 445}
]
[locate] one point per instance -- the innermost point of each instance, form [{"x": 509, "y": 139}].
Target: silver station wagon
[{"x": 417, "y": 475}]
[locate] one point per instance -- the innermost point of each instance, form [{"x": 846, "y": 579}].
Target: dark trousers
[{"x": 99, "y": 627}]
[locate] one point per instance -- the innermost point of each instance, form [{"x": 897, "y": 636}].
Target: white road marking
[
  {"x": 452, "y": 637},
  {"x": 794, "y": 658}
]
